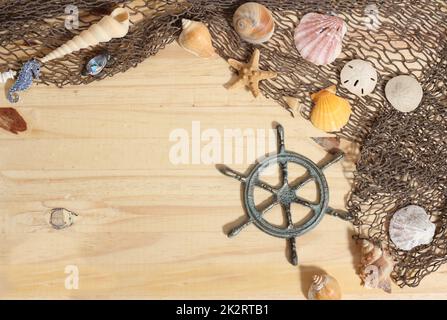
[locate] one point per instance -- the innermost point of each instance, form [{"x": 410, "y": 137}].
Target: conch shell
[
  {"x": 114, "y": 26},
  {"x": 5, "y": 76},
  {"x": 376, "y": 267},
  {"x": 319, "y": 38},
  {"x": 324, "y": 287},
  {"x": 254, "y": 23},
  {"x": 411, "y": 227},
  {"x": 196, "y": 39},
  {"x": 330, "y": 112}
]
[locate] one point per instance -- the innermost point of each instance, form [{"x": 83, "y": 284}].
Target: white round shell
[
  {"x": 404, "y": 93},
  {"x": 359, "y": 77},
  {"x": 411, "y": 227}
]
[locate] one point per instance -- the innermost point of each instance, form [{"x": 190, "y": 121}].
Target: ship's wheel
[{"x": 286, "y": 194}]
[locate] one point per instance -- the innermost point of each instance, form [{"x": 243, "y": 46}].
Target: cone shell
[
  {"x": 254, "y": 23},
  {"x": 114, "y": 26},
  {"x": 330, "y": 113},
  {"x": 411, "y": 227},
  {"x": 319, "y": 38},
  {"x": 324, "y": 287},
  {"x": 376, "y": 266},
  {"x": 196, "y": 39}
]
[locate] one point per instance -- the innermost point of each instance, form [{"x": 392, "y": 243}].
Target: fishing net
[{"x": 402, "y": 156}]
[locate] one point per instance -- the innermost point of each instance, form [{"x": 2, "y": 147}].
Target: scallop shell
[
  {"x": 359, "y": 77},
  {"x": 331, "y": 112},
  {"x": 196, "y": 39},
  {"x": 404, "y": 93},
  {"x": 319, "y": 38},
  {"x": 411, "y": 227},
  {"x": 376, "y": 266},
  {"x": 254, "y": 23},
  {"x": 324, "y": 287}
]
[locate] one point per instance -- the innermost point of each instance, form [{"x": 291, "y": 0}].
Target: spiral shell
[
  {"x": 411, "y": 227},
  {"x": 319, "y": 38},
  {"x": 196, "y": 39},
  {"x": 324, "y": 287},
  {"x": 254, "y": 23},
  {"x": 330, "y": 112},
  {"x": 5, "y": 76},
  {"x": 114, "y": 26},
  {"x": 376, "y": 266}
]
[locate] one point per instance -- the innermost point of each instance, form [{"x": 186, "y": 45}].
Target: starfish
[{"x": 249, "y": 74}]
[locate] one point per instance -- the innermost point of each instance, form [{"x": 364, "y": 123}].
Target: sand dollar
[
  {"x": 404, "y": 93},
  {"x": 359, "y": 77}
]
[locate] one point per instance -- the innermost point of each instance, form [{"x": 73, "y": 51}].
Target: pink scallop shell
[{"x": 319, "y": 38}]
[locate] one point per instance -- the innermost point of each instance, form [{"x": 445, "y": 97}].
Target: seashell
[
  {"x": 404, "y": 93},
  {"x": 293, "y": 104},
  {"x": 330, "y": 112},
  {"x": 359, "y": 77},
  {"x": 114, "y": 26},
  {"x": 319, "y": 38},
  {"x": 5, "y": 76},
  {"x": 12, "y": 121},
  {"x": 95, "y": 65},
  {"x": 411, "y": 227},
  {"x": 324, "y": 287},
  {"x": 196, "y": 39},
  {"x": 376, "y": 266},
  {"x": 60, "y": 218},
  {"x": 254, "y": 23}
]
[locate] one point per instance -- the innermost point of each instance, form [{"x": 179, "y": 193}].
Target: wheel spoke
[
  {"x": 266, "y": 186},
  {"x": 284, "y": 172},
  {"x": 308, "y": 204},
  {"x": 301, "y": 182}
]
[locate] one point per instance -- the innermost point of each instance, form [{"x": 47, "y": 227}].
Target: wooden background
[{"x": 148, "y": 228}]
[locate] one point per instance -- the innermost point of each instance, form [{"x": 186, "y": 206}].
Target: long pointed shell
[
  {"x": 319, "y": 38},
  {"x": 324, "y": 287},
  {"x": 196, "y": 39},
  {"x": 254, "y": 23},
  {"x": 114, "y": 26},
  {"x": 330, "y": 112},
  {"x": 5, "y": 76},
  {"x": 376, "y": 267},
  {"x": 411, "y": 227}
]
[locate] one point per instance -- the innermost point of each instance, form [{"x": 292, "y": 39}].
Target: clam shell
[
  {"x": 319, "y": 38},
  {"x": 331, "y": 112},
  {"x": 359, "y": 77},
  {"x": 254, "y": 23},
  {"x": 196, "y": 39},
  {"x": 411, "y": 227},
  {"x": 404, "y": 93}
]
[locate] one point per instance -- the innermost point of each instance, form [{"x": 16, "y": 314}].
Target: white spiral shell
[
  {"x": 411, "y": 227},
  {"x": 319, "y": 38},
  {"x": 114, "y": 26}
]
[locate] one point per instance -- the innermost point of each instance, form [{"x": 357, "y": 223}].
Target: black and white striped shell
[{"x": 411, "y": 227}]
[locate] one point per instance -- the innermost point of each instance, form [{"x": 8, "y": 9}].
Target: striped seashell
[
  {"x": 319, "y": 38},
  {"x": 254, "y": 23}
]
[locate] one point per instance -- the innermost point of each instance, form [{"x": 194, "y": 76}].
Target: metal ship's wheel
[{"x": 285, "y": 195}]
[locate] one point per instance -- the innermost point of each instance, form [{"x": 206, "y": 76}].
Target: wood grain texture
[{"x": 148, "y": 228}]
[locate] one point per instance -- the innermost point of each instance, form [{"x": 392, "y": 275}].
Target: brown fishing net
[{"x": 403, "y": 155}]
